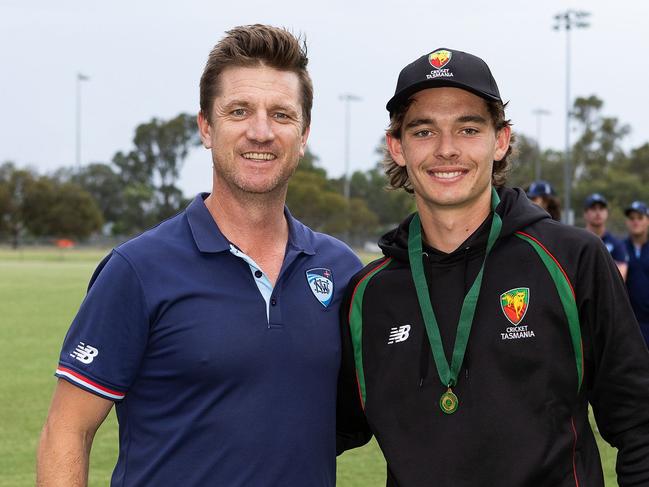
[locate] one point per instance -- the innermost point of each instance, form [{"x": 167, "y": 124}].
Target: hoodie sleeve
[
  {"x": 618, "y": 386},
  {"x": 352, "y": 429}
]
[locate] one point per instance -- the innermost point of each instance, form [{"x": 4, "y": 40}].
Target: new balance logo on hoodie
[{"x": 399, "y": 334}]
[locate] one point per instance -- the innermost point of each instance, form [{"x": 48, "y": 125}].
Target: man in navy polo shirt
[
  {"x": 215, "y": 334},
  {"x": 637, "y": 245},
  {"x": 595, "y": 216}
]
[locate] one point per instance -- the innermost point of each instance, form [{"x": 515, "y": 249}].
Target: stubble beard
[{"x": 271, "y": 188}]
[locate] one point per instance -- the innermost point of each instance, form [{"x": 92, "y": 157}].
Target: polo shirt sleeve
[
  {"x": 619, "y": 252},
  {"x": 103, "y": 348}
]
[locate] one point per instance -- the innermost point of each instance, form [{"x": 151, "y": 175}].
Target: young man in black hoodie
[{"x": 472, "y": 349}]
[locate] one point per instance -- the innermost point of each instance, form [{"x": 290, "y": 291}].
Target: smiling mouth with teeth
[
  {"x": 260, "y": 156},
  {"x": 446, "y": 174}
]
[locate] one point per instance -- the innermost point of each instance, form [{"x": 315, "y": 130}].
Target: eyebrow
[
  {"x": 245, "y": 104},
  {"x": 472, "y": 118},
  {"x": 419, "y": 121},
  {"x": 236, "y": 103},
  {"x": 463, "y": 119},
  {"x": 286, "y": 108}
]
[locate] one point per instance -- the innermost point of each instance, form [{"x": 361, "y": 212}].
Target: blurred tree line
[
  {"x": 139, "y": 188},
  {"x": 600, "y": 163}
]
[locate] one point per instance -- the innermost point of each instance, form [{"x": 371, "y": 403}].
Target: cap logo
[{"x": 439, "y": 59}]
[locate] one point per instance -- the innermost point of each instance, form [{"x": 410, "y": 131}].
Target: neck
[
  {"x": 254, "y": 223},
  {"x": 639, "y": 240},
  {"x": 446, "y": 228}
]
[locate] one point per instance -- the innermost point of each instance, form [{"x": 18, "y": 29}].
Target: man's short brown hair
[
  {"x": 398, "y": 175},
  {"x": 258, "y": 45}
]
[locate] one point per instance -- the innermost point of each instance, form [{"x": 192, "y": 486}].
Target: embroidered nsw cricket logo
[
  {"x": 321, "y": 282},
  {"x": 514, "y": 304}
]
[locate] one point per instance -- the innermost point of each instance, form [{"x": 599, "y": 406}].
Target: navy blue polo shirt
[
  {"x": 615, "y": 248},
  {"x": 637, "y": 283},
  {"x": 214, "y": 384}
]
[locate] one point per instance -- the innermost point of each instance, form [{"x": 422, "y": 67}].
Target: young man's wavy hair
[
  {"x": 252, "y": 46},
  {"x": 398, "y": 175}
]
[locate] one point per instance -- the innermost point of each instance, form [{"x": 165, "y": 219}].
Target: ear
[
  {"x": 305, "y": 137},
  {"x": 204, "y": 130},
  {"x": 503, "y": 137},
  {"x": 395, "y": 148}
]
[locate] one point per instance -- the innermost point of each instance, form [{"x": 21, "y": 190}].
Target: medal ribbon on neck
[{"x": 448, "y": 374}]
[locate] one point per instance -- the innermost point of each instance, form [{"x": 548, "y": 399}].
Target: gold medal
[{"x": 448, "y": 402}]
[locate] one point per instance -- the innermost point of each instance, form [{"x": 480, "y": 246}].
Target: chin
[{"x": 261, "y": 187}]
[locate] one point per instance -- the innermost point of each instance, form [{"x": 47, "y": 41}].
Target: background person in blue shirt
[
  {"x": 637, "y": 222},
  {"x": 215, "y": 334},
  {"x": 596, "y": 216}
]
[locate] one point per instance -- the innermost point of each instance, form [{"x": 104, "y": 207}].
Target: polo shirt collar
[{"x": 209, "y": 239}]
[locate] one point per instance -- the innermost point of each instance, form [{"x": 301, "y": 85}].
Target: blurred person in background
[
  {"x": 596, "y": 216},
  {"x": 542, "y": 194},
  {"x": 637, "y": 246}
]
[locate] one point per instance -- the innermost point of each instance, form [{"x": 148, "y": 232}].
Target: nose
[
  {"x": 260, "y": 128},
  {"x": 446, "y": 147}
]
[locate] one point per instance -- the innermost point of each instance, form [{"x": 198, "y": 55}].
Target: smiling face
[
  {"x": 256, "y": 133},
  {"x": 448, "y": 144}
]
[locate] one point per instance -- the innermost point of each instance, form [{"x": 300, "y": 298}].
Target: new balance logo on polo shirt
[
  {"x": 399, "y": 334},
  {"x": 84, "y": 353}
]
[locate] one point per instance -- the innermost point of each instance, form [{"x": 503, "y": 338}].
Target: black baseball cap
[
  {"x": 595, "y": 199},
  {"x": 445, "y": 67},
  {"x": 540, "y": 188},
  {"x": 638, "y": 206}
]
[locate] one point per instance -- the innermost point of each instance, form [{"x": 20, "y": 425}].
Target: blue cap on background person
[
  {"x": 595, "y": 199},
  {"x": 637, "y": 206},
  {"x": 540, "y": 188}
]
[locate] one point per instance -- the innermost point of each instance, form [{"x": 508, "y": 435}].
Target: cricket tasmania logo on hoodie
[{"x": 514, "y": 304}]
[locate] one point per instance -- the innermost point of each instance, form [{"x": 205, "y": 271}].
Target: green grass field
[{"x": 40, "y": 290}]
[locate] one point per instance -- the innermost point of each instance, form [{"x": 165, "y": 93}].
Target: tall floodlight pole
[
  {"x": 347, "y": 98},
  {"x": 568, "y": 20},
  {"x": 539, "y": 112},
  {"x": 80, "y": 79}
]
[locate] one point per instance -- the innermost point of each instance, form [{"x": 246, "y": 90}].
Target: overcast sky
[{"x": 144, "y": 59}]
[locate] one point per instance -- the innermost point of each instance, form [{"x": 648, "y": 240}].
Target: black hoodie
[{"x": 525, "y": 382}]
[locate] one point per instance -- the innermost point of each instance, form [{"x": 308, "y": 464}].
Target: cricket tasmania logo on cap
[
  {"x": 321, "y": 282},
  {"x": 514, "y": 304},
  {"x": 439, "y": 58}
]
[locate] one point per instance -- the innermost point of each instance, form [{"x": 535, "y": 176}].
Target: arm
[
  {"x": 64, "y": 448},
  {"x": 621, "y": 258},
  {"x": 622, "y": 267},
  {"x": 352, "y": 429},
  {"x": 617, "y": 365}
]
